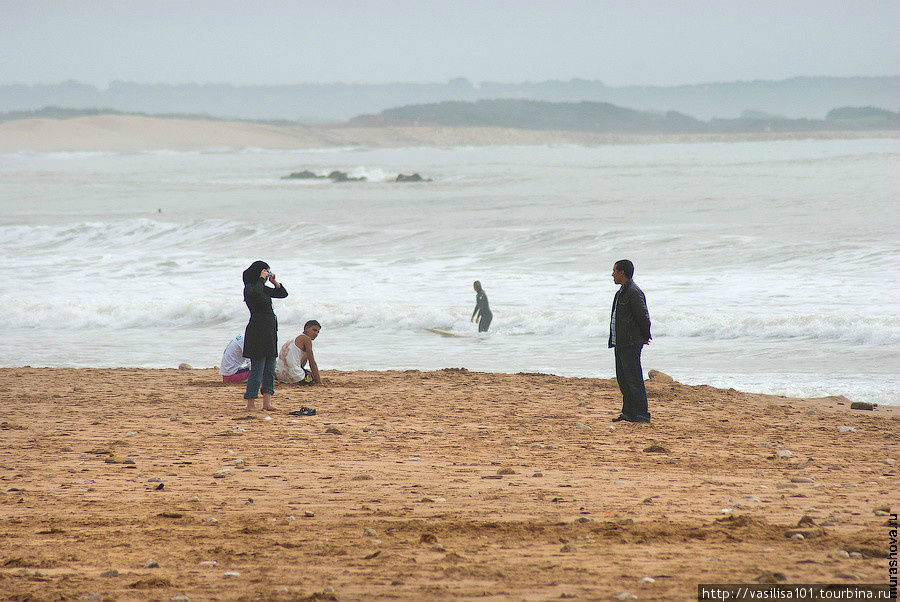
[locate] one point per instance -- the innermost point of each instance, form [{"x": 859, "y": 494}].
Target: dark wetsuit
[{"x": 482, "y": 308}]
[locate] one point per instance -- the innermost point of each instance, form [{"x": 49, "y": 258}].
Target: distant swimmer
[
  {"x": 234, "y": 367},
  {"x": 482, "y": 313},
  {"x": 296, "y": 354}
]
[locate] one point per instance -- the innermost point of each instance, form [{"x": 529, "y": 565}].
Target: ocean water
[{"x": 768, "y": 266}]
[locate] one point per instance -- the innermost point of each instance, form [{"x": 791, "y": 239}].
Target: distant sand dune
[{"x": 132, "y": 132}]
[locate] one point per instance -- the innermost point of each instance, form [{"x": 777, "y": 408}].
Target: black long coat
[{"x": 261, "y": 335}]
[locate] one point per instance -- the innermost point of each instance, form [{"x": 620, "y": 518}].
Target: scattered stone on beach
[
  {"x": 582, "y": 519},
  {"x": 180, "y": 598},
  {"x": 889, "y": 461},
  {"x": 855, "y": 555},
  {"x": 193, "y": 498},
  {"x": 231, "y": 574},
  {"x": 238, "y": 463},
  {"x": 656, "y": 448},
  {"x": 881, "y": 513},
  {"x": 784, "y": 453},
  {"x": 333, "y": 430},
  {"x": 110, "y": 573},
  {"x": 648, "y": 580},
  {"x": 806, "y": 532},
  {"x": 862, "y": 405},
  {"x": 506, "y": 471},
  {"x": 659, "y": 377},
  {"x": 222, "y": 473},
  {"x": 537, "y": 474},
  {"x": 362, "y": 477},
  {"x": 802, "y": 480},
  {"x": 308, "y": 513},
  {"x": 369, "y": 532},
  {"x": 582, "y": 426},
  {"x": 267, "y": 418},
  {"x": 151, "y": 564},
  {"x": 185, "y": 367},
  {"x": 847, "y": 429},
  {"x": 843, "y": 553},
  {"x": 798, "y": 536},
  {"x": 770, "y": 577},
  {"x": 567, "y": 548},
  {"x": 208, "y": 563},
  {"x": 806, "y": 521},
  {"x": 210, "y": 520},
  {"x": 130, "y": 434},
  {"x": 786, "y": 486},
  {"x": 626, "y": 595},
  {"x": 154, "y": 480}
]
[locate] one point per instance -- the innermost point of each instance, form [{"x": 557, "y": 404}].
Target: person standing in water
[
  {"x": 482, "y": 313},
  {"x": 261, "y": 335}
]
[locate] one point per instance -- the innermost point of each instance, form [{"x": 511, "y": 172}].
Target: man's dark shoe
[
  {"x": 621, "y": 417},
  {"x": 640, "y": 419}
]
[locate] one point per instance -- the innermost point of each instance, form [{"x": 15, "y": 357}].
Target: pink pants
[{"x": 237, "y": 377}]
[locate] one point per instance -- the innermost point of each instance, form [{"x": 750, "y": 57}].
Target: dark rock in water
[
  {"x": 411, "y": 178},
  {"x": 303, "y": 175},
  {"x": 334, "y": 176},
  {"x": 341, "y": 176},
  {"x": 862, "y": 405}
]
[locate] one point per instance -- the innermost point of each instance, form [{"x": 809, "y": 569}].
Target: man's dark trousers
[{"x": 630, "y": 377}]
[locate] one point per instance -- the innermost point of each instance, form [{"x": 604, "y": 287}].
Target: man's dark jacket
[{"x": 632, "y": 317}]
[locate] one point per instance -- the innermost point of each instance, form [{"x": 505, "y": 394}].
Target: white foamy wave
[
  {"x": 838, "y": 328},
  {"x": 197, "y": 313}
]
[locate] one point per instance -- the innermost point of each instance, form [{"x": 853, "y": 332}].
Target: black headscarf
[{"x": 251, "y": 274}]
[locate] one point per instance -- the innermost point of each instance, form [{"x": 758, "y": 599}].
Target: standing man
[{"x": 629, "y": 331}]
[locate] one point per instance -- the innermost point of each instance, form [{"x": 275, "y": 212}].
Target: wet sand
[
  {"x": 428, "y": 485},
  {"x": 136, "y": 133}
]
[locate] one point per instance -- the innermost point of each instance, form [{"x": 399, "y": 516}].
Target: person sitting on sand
[
  {"x": 234, "y": 367},
  {"x": 295, "y": 354},
  {"x": 482, "y": 313}
]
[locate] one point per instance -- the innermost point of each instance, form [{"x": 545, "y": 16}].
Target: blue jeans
[
  {"x": 630, "y": 377},
  {"x": 262, "y": 371}
]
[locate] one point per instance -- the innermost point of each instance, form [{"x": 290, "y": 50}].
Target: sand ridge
[
  {"x": 429, "y": 485},
  {"x": 137, "y": 133}
]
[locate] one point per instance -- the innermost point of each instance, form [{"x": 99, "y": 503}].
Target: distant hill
[
  {"x": 795, "y": 98},
  {"x": 611, "y": 119}
]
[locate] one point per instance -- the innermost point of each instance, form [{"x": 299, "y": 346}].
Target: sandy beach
[
  {"x": 135, "y": 133},
  {"x": 134, "y": 484}
]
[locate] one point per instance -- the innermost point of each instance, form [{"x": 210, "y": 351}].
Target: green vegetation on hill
[{"x": 601, "y": 117}]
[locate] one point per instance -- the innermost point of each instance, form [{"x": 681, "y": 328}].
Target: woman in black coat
[{"x": 261, "y": 335}]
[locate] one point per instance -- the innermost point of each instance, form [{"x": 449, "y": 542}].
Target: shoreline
[
  {"x": 774, "y": 396},
  {"x": 128, "y": 133},
  {"x": 443, "y": 484}
]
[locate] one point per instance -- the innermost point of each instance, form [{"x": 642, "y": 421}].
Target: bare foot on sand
[
  {"x": 250, "y": 405},
  {"x": 267, "y": 403}
]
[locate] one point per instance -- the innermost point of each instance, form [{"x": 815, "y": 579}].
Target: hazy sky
[{"x": 620, "y": 42}]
